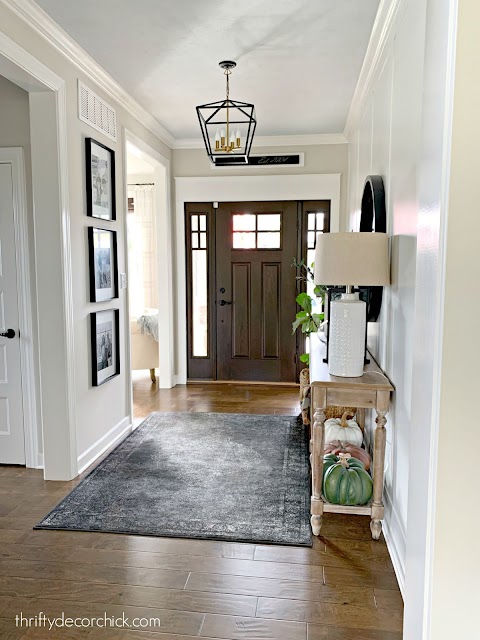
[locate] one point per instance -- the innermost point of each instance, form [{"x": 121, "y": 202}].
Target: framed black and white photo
[
  {"x": 105, "y": 345},
  {"x": 102, "y": 258},
  {"x": 100, "y": 172}
]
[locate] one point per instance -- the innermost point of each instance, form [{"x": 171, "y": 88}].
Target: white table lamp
[{"x": 349, "y": 259}]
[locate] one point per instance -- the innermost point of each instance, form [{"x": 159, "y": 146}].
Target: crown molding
[
  {"x": 384, "y": 20},
  {"x": 36, "y": 18},
  {"x": 273, "y": 141}
]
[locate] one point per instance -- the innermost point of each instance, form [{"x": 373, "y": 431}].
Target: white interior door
[{"x": 12, "y": 437}]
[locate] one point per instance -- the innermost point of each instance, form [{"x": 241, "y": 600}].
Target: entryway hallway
[
  {"x": 216, "y": 397},
  {"x": 343, "y": 588}
]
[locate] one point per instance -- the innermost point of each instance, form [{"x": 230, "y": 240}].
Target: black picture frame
[
  {"x": 105, "y": 364},
  {"x": 102, "y": 293},
  {"x": 102, "y": 184}
]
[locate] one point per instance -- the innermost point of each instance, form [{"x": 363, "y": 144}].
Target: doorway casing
[
  {"x": 14, "y": 156},
  {"x": 240, "y": 189},
  {"x": 53, "y": 269},
  {"x": 164, "y": 243}
]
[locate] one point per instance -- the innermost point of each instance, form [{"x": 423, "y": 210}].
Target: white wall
[
  {"x": 455, "y": 563},
  {"x": 98, "y": 410},
  {"x": 385, "y": 140}
]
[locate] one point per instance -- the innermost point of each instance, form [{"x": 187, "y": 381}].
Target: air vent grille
[{"x": 96, "y": 112}]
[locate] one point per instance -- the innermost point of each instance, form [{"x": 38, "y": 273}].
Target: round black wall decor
[{"x": 373, "y": 218}]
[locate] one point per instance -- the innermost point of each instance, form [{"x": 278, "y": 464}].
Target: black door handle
[
  {"x": 10, "y": 333},
  {"x": 224, "y": 302}
]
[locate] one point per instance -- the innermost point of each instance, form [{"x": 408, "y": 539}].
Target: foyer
[{"x": 121, "y": 235}]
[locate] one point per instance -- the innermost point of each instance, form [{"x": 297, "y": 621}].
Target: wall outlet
[{"x": 123, "y": 281}]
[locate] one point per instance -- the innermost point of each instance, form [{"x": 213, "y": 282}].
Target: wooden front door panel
[{"x": 254, "y": 336}]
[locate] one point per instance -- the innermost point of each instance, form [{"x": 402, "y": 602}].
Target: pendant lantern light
[{"x": 228, "y": 126}]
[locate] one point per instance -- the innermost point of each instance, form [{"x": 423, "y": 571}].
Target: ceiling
[{"x": 298, "y": 60}]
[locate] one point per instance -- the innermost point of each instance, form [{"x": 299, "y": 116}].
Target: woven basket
[
  {"x": 304, "y": 382},
  {"x": 337, "y": 412}
]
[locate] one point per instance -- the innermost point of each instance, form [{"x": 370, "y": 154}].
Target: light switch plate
[{"x": 123, "y": 281}]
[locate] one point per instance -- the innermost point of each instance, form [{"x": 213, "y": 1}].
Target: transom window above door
[{"x": 257, "y": 230}]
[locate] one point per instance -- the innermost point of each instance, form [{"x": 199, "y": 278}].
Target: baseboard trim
[
  {"x": 39, "y": 462},
  {"x": 391, "y": 534},
  {"x": 112, "y": 437}
]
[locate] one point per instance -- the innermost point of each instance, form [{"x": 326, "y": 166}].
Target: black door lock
[{"x": 10, "y": 333}]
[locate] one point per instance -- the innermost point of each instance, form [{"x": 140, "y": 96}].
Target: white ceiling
[{"x": 298, "y": 60}]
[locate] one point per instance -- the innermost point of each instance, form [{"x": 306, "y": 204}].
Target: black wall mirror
[{"x": 373, "y": 217}]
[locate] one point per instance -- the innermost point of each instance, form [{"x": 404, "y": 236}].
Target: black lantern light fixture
[{"x": 227, "y": 126}]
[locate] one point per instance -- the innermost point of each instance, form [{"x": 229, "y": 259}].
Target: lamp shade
[{"x": 352, "y": 259}]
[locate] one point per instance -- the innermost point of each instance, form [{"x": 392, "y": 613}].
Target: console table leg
[
  {"x": 318, "y": 435},
  {"x": 316, "y": 523},
  {"x": 376, "y": 529},
  {"x": 379, "y": 464}
]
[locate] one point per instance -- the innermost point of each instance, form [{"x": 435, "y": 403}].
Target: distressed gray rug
[{"x": 218, "y": 476}]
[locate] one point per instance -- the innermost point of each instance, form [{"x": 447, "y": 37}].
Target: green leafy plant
[
  {"x": 305, "y": 320},
  {"x": 306, "y": 275}
]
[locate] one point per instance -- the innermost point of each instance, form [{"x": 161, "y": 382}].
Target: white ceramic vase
[{"x": 346, "y": 343}]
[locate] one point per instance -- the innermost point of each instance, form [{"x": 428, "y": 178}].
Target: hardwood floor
[
  {"x": 216, "y": 397},
  {"x": 344, "y": 588}
]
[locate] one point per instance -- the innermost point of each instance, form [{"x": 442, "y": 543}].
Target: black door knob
[
  {"x": 10, "y": 333},
  {"x": 224, "y": 302}
]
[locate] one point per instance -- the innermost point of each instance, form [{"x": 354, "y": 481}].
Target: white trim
[
  {"x": 441, "y": 302},
  {"x": 386, "y": 14},
  {"x": 14, "y": 156},
  {"x": 26, "y": 70},
  {"x": 43, "y": 24},
  {"x": 62, "y": 128},
  {"x": 163, "y": 200},
  {"x": 237, "y": 189},
  {"x": 34, "y": 70},
  {"x": 396, "y": 540},
  {"x": 119, "y": 432},
  {"x": 273, "y": 141}
]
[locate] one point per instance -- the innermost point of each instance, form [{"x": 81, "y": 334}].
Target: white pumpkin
[{"x": 343, "y": 430}]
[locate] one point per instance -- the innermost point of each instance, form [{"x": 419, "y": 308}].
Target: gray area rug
[{"x": 218, "y": 476}]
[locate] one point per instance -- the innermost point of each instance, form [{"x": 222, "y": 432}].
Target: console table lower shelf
[{"x": 370, "y": 391}]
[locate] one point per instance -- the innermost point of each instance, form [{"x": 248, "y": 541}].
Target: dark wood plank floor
[{"x": 344, "y": 588}]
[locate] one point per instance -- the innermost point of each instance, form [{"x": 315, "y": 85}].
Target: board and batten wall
[
  {"x": 384, "y": 139},
  {"x": 102, "y": 413}
]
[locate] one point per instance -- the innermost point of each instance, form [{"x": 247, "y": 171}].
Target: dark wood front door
[{"x": 255, "y": 291}]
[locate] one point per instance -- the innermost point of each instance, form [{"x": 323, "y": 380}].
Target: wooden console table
[{"x": 370, "y": 391}]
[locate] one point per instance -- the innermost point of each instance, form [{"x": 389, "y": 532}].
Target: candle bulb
[
  {"x": 238, "y": 139},
  {"x": 222, "y": 138},
  {"x": 217, "y": 140}
]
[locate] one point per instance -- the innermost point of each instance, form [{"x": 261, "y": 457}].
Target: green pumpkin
[{"x": 345, "y": 480}]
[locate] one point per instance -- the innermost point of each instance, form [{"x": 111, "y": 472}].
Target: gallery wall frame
[
  {"x": 103, "y": 264},
  {"x": 105, "y": 345},
  {"x": 100, "y": 180}
]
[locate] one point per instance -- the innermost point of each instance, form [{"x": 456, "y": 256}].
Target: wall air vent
[{"x": 96, "y": 112}]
